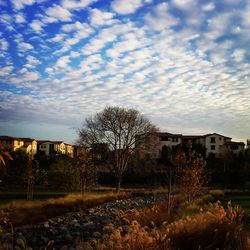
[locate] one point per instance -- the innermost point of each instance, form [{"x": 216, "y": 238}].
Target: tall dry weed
[{"x": 215, "y": 228}]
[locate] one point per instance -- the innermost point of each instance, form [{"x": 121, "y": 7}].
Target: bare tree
[
  {"x": 33, "y": 175},
  {"x": 171, "y": 160},
  {"x": 86, "y": 170},
  {"x": 123, "y": 130}
]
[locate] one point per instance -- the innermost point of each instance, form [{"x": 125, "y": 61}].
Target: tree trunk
[
  {"x": 82, "y": 186},
  {"x": 118, "y": 184},
  {"x": 169, "y": 195}
]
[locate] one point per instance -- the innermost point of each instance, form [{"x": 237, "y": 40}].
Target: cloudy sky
[{"x": 185, "y": 64}]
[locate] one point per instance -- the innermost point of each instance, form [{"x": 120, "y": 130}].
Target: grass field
[
  {"x": 240, "y": 199},
  {"x": 8, "y": 196},
  {"x": 22, "y": 212}
]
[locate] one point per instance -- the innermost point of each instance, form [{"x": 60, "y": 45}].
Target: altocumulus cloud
[{"x": 184, "y": 64}]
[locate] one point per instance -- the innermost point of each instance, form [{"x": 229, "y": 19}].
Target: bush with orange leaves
[
  {"x": 4, "y": 153},
  {"x": 155, "y": 214},
  {"x": 215, "y": 228}
]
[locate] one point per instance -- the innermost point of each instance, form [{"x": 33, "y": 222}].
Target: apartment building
[
  {"x": 69, "y": 150},
  {"x": 28, "y": 145},
  {"x": 51, "y": 147},
  {"x": 214, "y": 143}
]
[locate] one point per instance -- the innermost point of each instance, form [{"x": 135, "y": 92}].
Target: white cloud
[
  {"x": 130, "y": 42},
  {"x": 238, "y": 55},
  {"x": 4, "y": 45},
  {"x": 218, "y": 25},
  {"x": 62, "y": 62},
  {"x": 6, "y": 19},
  {"x": 20, "y": 18},
  {"x": 232, "y": 2},
  {"x": 37, "y": 25},
  {"x": 236, "y": 30},
  {"x": 184, "y": 4},
  {"x": 6, "y": 70},
  {"x": 208, "y": 7},
  {"x": 49, "y": 19},
  {"x": 23, "y": 70},
  {"x": 32, "y": 61},
  {"x": 49, "y": 70},
  {"x": 149, "y": 66},
  {"x": 23, "y": 46},
  {"x": 25, "y": 78},
  {"x": 31, "y": 76},
  {"x": 105, "y": 36},
  {"x": 74, "y": 54},
  {"x": 246, "y": 15},
  {"x": 98, "y": 17},
  {"x": 57, "y": 13},
  {"x": 78, "y": 32},
  {"x": 20, "y": 4},
  {"x": 58, "y": 38},
  {"x": 160, "y": 18},
  {"x": 77, "y": 26},
  {"x": 76, "y": 4},
  {"x": 125, "y": 7}
]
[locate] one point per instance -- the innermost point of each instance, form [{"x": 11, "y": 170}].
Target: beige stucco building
[
  {"x": 51, "y": 147},
  {"x": 214, "y": 143},
  {"x": 69, "y": 149},
  {"x": 28, "y": 145},
  {"x": 55, "y": 147}
]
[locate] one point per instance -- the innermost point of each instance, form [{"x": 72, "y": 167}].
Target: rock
[
  {"x": 21, "y": 242},
  {"x": 68, "y": 237},
  {"x": 97, "y": 235},
  {"x": 46, "y": 224},
  {"x": 77, "y": 225},
  {"x": 59, "y": 220},
  {"x": 73, "y": 228},
  {"x": 44, "y": 239},
  {"x": 63, "y": 248},
  {"x": 84, "y": 246}
]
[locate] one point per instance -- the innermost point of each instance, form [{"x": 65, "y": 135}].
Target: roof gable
[{"x": 217, "y": 134}]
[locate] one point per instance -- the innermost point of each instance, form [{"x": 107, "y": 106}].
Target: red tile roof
[
  {"x": 166, "y": 134},
  {"x": 217, "y": 134},
  {"x": 234, "y": 143}
]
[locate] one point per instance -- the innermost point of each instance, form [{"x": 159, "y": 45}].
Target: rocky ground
[{"x": 65, "y": 232}]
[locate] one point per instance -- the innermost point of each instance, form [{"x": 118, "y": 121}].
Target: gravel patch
[{"x": 65, "y": 232}]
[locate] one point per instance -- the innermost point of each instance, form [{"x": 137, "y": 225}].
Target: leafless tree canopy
[{"x": 122, "y": 129}]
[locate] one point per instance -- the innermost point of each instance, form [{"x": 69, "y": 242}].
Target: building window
[
  {"x": 174, "y": 139},
  {"x": 212, "y": 140},
  {"x": 212, "y": 147},
  {"x": 234, "y": 147},
  {"x": 220, "y": 138},
  {"x": 164, "y": 138}
]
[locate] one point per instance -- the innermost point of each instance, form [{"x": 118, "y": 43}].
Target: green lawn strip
[{"x": 8, "y": 196}]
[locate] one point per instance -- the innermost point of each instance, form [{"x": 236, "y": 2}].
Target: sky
[{"x": 184, "y": 64}]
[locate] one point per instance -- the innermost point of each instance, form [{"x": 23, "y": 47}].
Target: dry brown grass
[
  {"x": 30, "y": 212},
  {"x": 155, "y": 214},
  {"x": 216, "y": 228}
]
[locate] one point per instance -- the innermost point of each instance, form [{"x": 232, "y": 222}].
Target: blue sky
[{"x": 185, "y": 64}]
